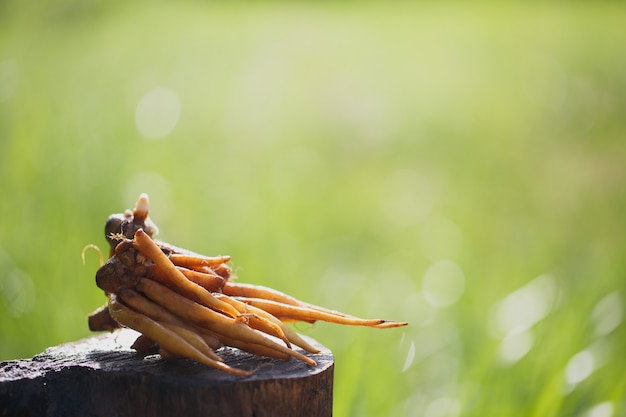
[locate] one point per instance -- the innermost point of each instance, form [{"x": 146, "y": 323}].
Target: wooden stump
[{"x": 102, "y": 376}]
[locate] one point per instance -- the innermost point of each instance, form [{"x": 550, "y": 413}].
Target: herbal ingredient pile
[{"x": 185, "y": 304}]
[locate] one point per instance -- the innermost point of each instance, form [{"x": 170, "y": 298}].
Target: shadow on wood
[{"x": 102, "y": 376}]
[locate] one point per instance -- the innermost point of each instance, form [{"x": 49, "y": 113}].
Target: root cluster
[{"x": 185, "y": 304}]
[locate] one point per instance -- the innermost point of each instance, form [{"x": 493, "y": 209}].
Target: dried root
[{"x": 185, "y": 304}]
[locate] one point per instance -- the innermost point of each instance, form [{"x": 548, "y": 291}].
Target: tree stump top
[{"x": 102, "y": 375}]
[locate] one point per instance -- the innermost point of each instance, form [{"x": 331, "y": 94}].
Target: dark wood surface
[{"x": 102, "y": 376}]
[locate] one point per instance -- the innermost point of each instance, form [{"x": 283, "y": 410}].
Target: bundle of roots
[{"x": 186, "y": 305}]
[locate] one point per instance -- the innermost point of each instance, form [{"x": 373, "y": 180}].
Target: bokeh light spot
[
  {"x": 516, "y": 345},
  {"x": 605, "y": 409},
  {"x": 443, "y": 283},
  {"x": 157, "y": 113},
  {"x": 607, "y": 314},
  {"x": 443, "y": 407},
  {"x": 410, "y": 357},
  {"x": 579, "y": 367},
  {"x": 18, "y": 292},
  {"x": 522, "y": 308}
]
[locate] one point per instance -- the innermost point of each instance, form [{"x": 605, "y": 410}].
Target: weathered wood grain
[{"x": 102, "y": 376}]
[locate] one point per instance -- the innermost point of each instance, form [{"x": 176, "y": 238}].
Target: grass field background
[{"x": 461, "y": 167}]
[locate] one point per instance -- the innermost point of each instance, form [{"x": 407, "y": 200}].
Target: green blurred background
[{"x": 461, "y": 167}]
